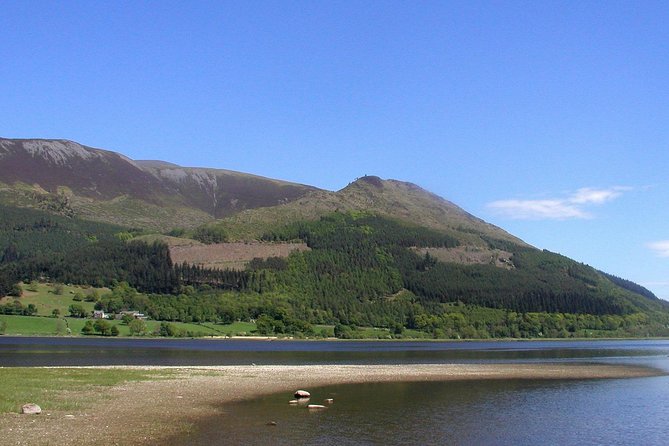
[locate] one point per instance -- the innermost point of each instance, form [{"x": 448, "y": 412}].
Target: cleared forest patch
[
  {"x": 231, "y": 255},
  {"x": 470, "y": 255}
]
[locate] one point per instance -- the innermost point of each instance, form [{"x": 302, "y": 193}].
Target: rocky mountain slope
[{"x": 74, "y": 179}]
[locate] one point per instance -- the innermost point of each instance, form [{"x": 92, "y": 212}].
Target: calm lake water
[{"x": 507, "y": 412}]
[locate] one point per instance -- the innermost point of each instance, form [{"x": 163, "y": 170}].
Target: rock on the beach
[
  {"x": 315, "y": 406},
  {"x": 302, "y": 394},
  {"x": 31, "y": 409}
]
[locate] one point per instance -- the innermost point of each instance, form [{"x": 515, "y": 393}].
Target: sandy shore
[{"x": 147, "y": 412}]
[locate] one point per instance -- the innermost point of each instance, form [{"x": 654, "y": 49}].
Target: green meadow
[{"x": 53, "y": 387}]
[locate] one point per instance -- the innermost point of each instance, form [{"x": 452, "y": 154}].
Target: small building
[
  {"x": 134, "y": 314},
  {"x": 99, "y": 314}
]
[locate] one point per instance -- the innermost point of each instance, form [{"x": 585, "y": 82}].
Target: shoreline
[
  {"x": 151, "y": 412},
  {"x": 331, "y": 339}
]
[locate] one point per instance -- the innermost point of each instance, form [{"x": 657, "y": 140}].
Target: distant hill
[
  {"x": 382, "y": 253},
  {"x": 70, "y": 178},
  {"x": 395, "y": 199},
  {"x": 220, "y": 192}
]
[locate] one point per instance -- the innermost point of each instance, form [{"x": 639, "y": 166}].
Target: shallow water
[
  {"x": 508, "y": 412},
  {"x": 501, "y": 412}
]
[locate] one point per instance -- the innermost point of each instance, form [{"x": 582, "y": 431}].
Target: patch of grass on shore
[
  {"x": 30, "y": 325},
  {"x": 64, "y": 388}
]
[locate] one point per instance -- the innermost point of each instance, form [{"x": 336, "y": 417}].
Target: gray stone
[
  {"x": 302, "y": 394},
  {"x": 31, "y": 409}
]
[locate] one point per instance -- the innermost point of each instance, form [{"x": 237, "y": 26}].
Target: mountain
[
  {"x": 220, "y": 192},
  {"x": 394, "y": 199},
  {"x": 74, "y": 179},
  {"x": 91, "y": 173},
  {"x": 382, "y": 253}
]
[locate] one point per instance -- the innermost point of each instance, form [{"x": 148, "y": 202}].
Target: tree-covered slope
[
  {"x": 362, "y": 269},
  {"x": 39, "y": 245},
  {"x": 537, "y": 280}
]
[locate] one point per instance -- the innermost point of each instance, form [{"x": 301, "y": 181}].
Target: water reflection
[
  {"x": 513, "y": 412},
  {"x": 97, "y": 351}
]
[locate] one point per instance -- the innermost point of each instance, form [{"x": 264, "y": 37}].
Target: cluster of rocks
[{"x": 303, "y": 397}]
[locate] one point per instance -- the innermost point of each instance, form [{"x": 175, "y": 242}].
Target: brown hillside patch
[
  {"x": 471, "y": 255},
  {"x": 231, "y": 255}
]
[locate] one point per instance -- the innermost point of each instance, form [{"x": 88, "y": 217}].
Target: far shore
[
  {"x": 331, "y": 339},
  {"x": 150, "y": 412}
]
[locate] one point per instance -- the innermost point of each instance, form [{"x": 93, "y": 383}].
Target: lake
[{"x": 502, "y": 412}]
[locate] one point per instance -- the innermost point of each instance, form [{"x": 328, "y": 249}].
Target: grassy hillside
[
  {"x": 122, "y": 210},
  {"x": 394, "y": 199}
]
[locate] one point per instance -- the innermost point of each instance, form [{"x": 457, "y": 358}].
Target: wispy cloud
[
  {"x": 571, "y": 206},
  {"x": 587, "y": 195},
  {"x": 660, "y": 247}
]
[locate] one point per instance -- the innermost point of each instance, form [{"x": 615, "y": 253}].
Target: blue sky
[{"x": 549, "y": 119}]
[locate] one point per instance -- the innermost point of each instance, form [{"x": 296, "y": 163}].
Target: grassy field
[
  {"x": 32, "y": 326},
  {"x": 49, "y": 326},
  {"x": 46, "y": 297},
  {"x": 51, "y": 388}
]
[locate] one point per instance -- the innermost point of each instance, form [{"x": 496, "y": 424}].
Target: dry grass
[
  {"x": 231, "y": 255},
  {"x": 471, "y": 255}
]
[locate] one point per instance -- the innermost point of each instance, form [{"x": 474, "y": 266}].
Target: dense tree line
[
  {"x": 197, "y": 275},
  {"x": 341, "y": 230},
  {"x": 360, "y": 257},
  {"x": 35, "y": 244},
  {"x": 361, "y": 271},
  {"x": 147, "y": 266}
]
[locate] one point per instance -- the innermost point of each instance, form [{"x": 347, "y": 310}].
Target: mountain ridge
[
  {"x": 108, "y": 186},
  {"x": 92, "y": 181}
]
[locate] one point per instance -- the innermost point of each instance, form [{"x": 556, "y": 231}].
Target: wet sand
[{"x": 151, "y": 412}]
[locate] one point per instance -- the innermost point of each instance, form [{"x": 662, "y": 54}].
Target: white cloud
[
  {"x": 660, "y": 247},
  {"x": 537, "y": 209},
  {"x": 596, "y": 196},
  {"x": 572, "y": 206}
]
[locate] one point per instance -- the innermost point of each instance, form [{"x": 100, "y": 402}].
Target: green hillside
[
  {"x": 363, "y": 269},
  {"x": 390, "y": 198},
  {"x": 383, "y": 254}
]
